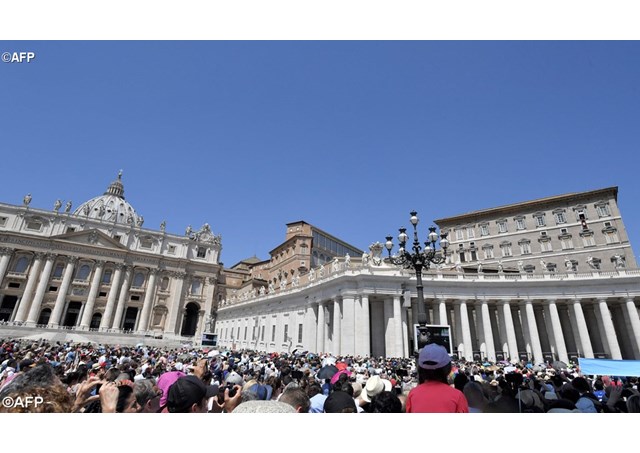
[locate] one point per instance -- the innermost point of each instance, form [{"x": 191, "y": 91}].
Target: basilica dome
[{"x": 111, "y": 206}]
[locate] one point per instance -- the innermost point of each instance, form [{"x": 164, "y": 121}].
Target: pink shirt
[{"x": 436, "y": 397}]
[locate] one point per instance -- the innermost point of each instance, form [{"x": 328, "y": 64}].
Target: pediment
[{"x": 91, "y": 237}]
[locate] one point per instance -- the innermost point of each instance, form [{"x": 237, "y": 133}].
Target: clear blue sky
[{"x": 348, "y": 136}]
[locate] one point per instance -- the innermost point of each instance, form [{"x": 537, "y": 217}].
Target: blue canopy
[{"x": 605, "y": 367}]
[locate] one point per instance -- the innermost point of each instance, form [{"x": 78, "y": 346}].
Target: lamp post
[{"x": 418, "y": 260}]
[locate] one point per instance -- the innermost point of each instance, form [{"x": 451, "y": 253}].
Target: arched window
[
  {"x": 164, "y": 284},
  {"x": 95, "y": 321},
  {"x": 57, "y": 273},
  {"x": 44, "y": 316},
  {"x": 106, "y": 277},
  {"x": 83, "y": 272},
  {"x": 138, "y": 280},
  {"x": 195, "y": 286},
  {"x": 21, "y": 264}
]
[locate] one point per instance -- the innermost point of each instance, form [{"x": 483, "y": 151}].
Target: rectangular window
[
  {"x": 611, "y": 237},
  {"x": 589, "y": 240},
  {"x": 3, "y": 221},
  {"x": 484, "y": 230},
  {"x": 299, "y": 333},
  {"x": 525, "y": 248},
  {"x": 560, "y": 217},
  {"x": 34, "y": 225},
  {"x": 459, "y": 235},
  {"x": 603, "y": 210},
  {"x": 566, "y": 243},
  {"x": 506, "y": 250},
  {"x": 118, "y": 238},
  {"x": 146, "y": 243},
  {"x": 462, "y": 257},
  {"x": 171, "y": 250},
  {"x": 474, "y": 255},
  {"x": 273, "y": 333},
  {"x": 202, "y": 252},
  {"x": 286, "y": 333},
  {"x": 540, "y": 220},
  {"x": 502, "y": 226},
  {"x": 520, "y": 224},
  {"x": 488, "y": 253},
  {"x": 471, "y": 233},
  {"x": 70, "y": 230},
  {"x": 53, "y": 289}
]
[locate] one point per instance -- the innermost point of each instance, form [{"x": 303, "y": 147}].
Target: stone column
[
  {"x": 536, "y": 348},
  {"x": 200, "y": 326},
  {"x": 171, "y": 326},
  {"x": 34, "y": 311},
  {"x": 556, "y": 326},
  {"x": 321, "y": 328},
  {"x": 583, "y": 330},
  {"x": 511, "y": 330},
  {"x": 148, "y": 301},
  {"x": 634, "y": 320},
  {"x": 67, "y": 278},
  {"x": 122, "y": 300},
  {"x": 609, "y": 330},
  {"x": 366, "y": 335},
  {"x": 466, "y": 330},
  {"x": 27, "y": 296},
  {"x": 389, "y": 327},
  {"x": 5, "y": 257},
  {"x": 348, "y": 343},
  {"x": 105, "y": 322},
  {"x": 93, "y": 293},
  {"x": 405, "y": 332},
  {"x": 337, "y": 318},
  {"x": 397, "y": 330},
  {"x": 442, "y": 312},
  {"x": 488, "y": 332}
]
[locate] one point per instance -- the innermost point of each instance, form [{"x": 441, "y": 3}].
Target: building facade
[
  {"x": 510, "y": 308},
  {"x": 96, "y": 271}
]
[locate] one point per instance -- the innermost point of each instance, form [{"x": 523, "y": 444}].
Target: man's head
[
  {"x": 189, "y": 394},
  {"x": 297, "y": 398},
  {"x": 147, "y": 395},
  {"x": 434, "y": 363},
  {"x": 339, "y": 402}
]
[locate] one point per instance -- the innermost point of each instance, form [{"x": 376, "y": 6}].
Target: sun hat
[{"x": 373, "y": 386}]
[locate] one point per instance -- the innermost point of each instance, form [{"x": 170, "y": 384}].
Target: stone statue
[
  {"x": 271, "y": 287},
  {"x": 479, "y": 268},
  {"x": 568, "y": 264},
  {"x": 296, "y": 281},
  {"x": 335, "y": 265},
  {"x": 347, "y": 261},
  {"x": 458, "y": 266},
  {"x": 163, "y": 226},
  {"x": 365, "y": 259},
  {"x": 321, "y": 272},
  {"x": 619, "y": 261},
  {"x": 27, "y": 199},
  {"x": 101, "y": 211},
  {"x": 543, "y": 265},
  {"x": 283, "y": 284},
  {"x": 261, "y": 291},
  {"x": 140, "y": 221},
  {"x": 312, "y": 274},
  {"x": 189, "y": 231},
  {"x": 129, "y": 219},
  {"x": 57, "y": 205},
  {"x": 521, "y": 266},
  {"x": 590, "y": 262},
  {"x": 67, "y": 207},
  {"x": 500, "y": 267}
]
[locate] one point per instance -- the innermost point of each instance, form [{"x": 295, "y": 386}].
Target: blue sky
[{"x": 349, "y": 136}]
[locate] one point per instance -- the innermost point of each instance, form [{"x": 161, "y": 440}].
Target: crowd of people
[{"x": 42, "y": 376}]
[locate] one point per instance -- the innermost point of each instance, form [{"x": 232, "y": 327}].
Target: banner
[{"x": 604, "y": 367}]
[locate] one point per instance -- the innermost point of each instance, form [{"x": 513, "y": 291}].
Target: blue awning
[{"x": 605, "y": 367}]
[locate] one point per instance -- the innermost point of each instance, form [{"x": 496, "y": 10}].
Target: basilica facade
[{"x": 95, "y": 273}]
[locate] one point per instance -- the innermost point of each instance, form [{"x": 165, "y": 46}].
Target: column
[
  {"x": 93, "y": 293},
  {"x": 200, "y": 327},
  {"x": 321, "y": 328},
  {"x": 5, "y": 257},
  {"x": 27, "y": 296},
  {"x": 348, "y": 343},
  {"x": 148, "y": 301},
  {"x": 405, "y": 332},
  {"x": 634, "y": 320},
  {"x": 389, "y": 327},
  {"x": 442, "y": 311},
  {"x": 609, "y": 330},
  {"x": 533, "y": 333},
  {"x": 124, "y": 293},
  {"x": 488, "y": 332},
  {"x": 511, "y": 331},
  {"x": 366, "y": 331},
  {"x": 105, "y": 323},
  {"x": 170, "y": 326},
  {"x": 397, "y": 330},
  {"x": 466, "y": 330},
  {"x": 583, "y": 331},
  {"x": 34, "y": 311},
  {"x": 67, "y": 278},
  {"x": 556, "y": 326},
  {"x": 337, "y": 317}
]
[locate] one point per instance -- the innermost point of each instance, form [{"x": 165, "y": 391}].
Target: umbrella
[
  {"x": 341, "y": 366},
  {"x": 336, "y": 376},
  {"x": 327, "y": 372},
  {"x": 559, "y": 365}
]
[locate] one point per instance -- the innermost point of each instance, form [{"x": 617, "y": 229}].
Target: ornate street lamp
[{"x": 418, "y": 260}]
